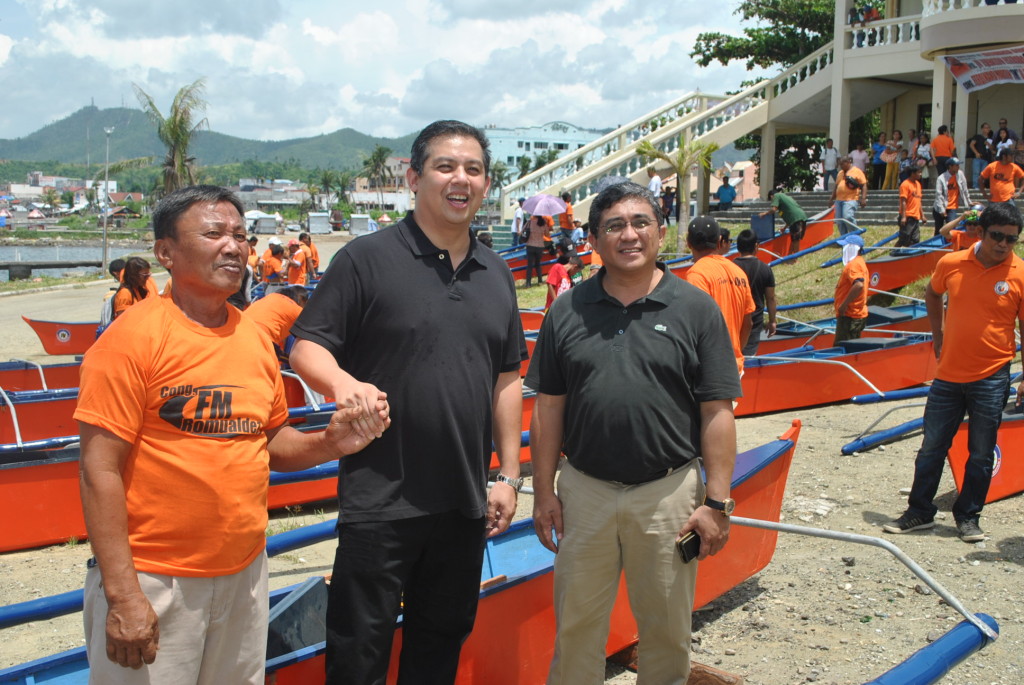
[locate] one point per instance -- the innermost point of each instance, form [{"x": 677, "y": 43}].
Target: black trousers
[
  {"x": 432, "y": 565},
  {"x": 534, "y": 256}
]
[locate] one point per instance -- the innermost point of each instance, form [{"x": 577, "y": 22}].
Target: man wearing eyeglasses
[
  {"x": 975, "y": 345},
  {"x": 633, "y": 352}
]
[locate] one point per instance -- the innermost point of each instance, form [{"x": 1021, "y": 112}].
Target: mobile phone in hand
[{"x": 689, "y": 547}]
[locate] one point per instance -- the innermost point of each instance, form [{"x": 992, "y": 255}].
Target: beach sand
[{"x": 822, "y": 611}]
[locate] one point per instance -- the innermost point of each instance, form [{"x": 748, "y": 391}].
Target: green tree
[
  {"x": 544, "y": 158},
  {"x": 68, "y": 198},
  {"x": 524, "y": 164},
  {"x": 328, "y": 182},
  {"x": 345, "y": 180},
  {"x": 176, "y": 131},
  {"x": 688, "y": 154},
  {"x": 376, "y": 169},
  {"x": 500, "y": 174},
  {"x": 51, "y": 198},
  {"x": 782, "y": 32}
]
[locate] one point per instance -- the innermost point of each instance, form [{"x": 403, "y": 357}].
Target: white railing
[
  {"x": 691, "y": 117},
  {"x": 609, "y": 144},
  {"x": 936, "y": 6},
  {"x": 884, "y": 32}
]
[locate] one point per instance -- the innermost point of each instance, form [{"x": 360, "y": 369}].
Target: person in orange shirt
[
  {"x": 725, "y": 282},
  {"x": 133, "y": 286},
  {"x": 963, "y": 232},
  {"x": 176, "y": 449},
  {"x": 850, "y": 191},
  {"x": 276, "y": 313},
  {"x": 254, "y": 259},
  {"x": 974, "y": 341},
  {"x": 851, "y": 296},
  {"x": 296, "y": 262},
  {"x": 943, "y": 148},
  {"x": 910, "y": 209},
  {"x": 312, "y": 252},
  {"x": 565, "y": 219},
  {"x": 274, "y": 269},
  {"x": 1002, "y": 178}
]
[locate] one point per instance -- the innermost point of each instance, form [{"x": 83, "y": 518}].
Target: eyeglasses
[
  {"x": 1010, "y": 238},
  {"x": 639, "y": 224}
]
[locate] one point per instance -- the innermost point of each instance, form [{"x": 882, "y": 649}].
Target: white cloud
[{"x": 279, "y": 69}]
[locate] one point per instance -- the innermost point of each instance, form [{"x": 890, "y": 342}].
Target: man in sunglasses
[{"x": 974, "y": 345}]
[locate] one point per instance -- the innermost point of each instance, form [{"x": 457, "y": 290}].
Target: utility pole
[{"x": 106, "y": 195}]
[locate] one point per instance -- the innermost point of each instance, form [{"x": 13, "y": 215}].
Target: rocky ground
[{"x": 822, "y": 611}]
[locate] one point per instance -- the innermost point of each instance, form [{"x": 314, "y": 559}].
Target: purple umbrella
[{"x": 544, "y": 205}]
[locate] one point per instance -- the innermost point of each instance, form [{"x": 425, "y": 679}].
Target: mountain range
[{"x": 79, "y": 139}]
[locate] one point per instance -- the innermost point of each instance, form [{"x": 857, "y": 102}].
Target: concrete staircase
[{"x": 882, "y": 209}]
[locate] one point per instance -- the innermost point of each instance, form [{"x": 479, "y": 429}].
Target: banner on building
[{"x": 978, "y": 70}]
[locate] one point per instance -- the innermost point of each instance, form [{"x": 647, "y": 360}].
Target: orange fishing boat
[
  {"x": 1007, "y": 469},
  {"x": 19, "y": 375},
  {"x": 64, "y": 337},
  {"x": 804, "y": 378},
  {"x": 905, "y": 265}
]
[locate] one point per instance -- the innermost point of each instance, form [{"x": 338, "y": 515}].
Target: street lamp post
[{"x": 106, "y": 194}]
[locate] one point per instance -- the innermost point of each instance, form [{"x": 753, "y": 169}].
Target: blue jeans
[
  {"x": 846, "y": 209},
  {"x": 829, "y": 173},
  {"x": 947, "y": 403},
  {"x": 976, "y": 168}
]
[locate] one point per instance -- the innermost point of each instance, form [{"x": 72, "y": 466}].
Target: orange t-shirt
[
  {"x": 843, "y": 192},
  {"x": 297, "y": 268},
  {"x": 272, "y": 269},
  {"x": 565, "y": 219},
  {"x": 152, "y": 287},
  {"x": 856, "y": 270},
  {"x": 123, "y": 299},
  {"x": 167, "y": 288},
  {"x": 275, "y": 315},
  {"x": 952, "y": 194},
  {"x": 1002, "y": 180},
  {"x": 910, "y": 193},
  {"x": 195, "y": 404},
  {"x": 960, "y": 240},
  {"x": 943, "y": 145},
  {"x": 727, "y": 285},
  {"x": 983, "y": 309},
  {"x": 314, "y": 255}
]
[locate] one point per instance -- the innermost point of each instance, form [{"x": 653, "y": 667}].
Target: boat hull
[
  {"x": 910, "y": 318},
  {"x": 1007, "y": 468},
  {"x": 770, "y": 386},
  {"x": 64, "y": 337},
  {"x": 897, "y": 269},
  {"x": 19, "y": 376}
]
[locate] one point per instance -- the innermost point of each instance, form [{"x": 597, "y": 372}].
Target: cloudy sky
[{"x": 279, "y": 69}]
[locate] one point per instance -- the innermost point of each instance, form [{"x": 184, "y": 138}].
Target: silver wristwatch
[{"x": 516, "y": 483}]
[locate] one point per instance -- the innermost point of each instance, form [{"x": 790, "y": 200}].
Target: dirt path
[{"x": 820, "y": 612}]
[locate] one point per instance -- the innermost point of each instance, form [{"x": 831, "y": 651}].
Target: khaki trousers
[
  {"x": 213, "y": 631},
  {"x": 610, "y": 528}
]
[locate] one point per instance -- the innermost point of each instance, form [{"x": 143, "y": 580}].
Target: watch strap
[{"x": 515, "y": 483}]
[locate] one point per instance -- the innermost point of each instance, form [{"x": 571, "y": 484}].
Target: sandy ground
[{"x": 822, "y": 611}]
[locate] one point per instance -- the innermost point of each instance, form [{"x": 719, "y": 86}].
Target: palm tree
[
  {"x": 313, "y": 191},
  {"x": 51, "y": 198},
  {"x": 687, "y": 155},
  {"x": 176, "y": 131},
  {"x": 376, "y": 169},
  {"x": 523, "y": 164},
  {"x": 344, "y": 182},
  {"x": 328, "y": 181},
  {"x": 499, "y": 174}
]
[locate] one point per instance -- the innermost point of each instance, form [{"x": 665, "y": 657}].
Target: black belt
[{"x": 657, "y": 475}]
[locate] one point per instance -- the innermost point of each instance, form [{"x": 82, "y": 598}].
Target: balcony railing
[
  {"x": 936, "y": 6},
  {"x": 884, "y": 32}
]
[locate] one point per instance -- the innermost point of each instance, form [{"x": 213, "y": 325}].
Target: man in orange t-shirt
[
  {"x": 975, "y": 344},
  {"x": 910, "y": 209},
  {"x": 297, "y": 262},
  {"x": 176, "y": 448},
  {"x": 851, "y": 296},
  {"x": 276, "y": 312},
  {"x": 943, "y": 148},
  {"x": 1002, "y": 178},
  {"x": 725, "y": 282},
  {"x": 849, "y": 192},
  {"x": 312, "y": 252}
]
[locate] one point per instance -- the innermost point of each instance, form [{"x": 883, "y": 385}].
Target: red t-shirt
[{"x": 558, "y": 277}]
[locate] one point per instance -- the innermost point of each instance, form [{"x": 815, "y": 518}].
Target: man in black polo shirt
[
  {"x": 424, "y": 313},
  {"x": 635, "y": 379}
]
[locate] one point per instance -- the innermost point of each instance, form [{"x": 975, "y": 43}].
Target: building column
[
  {"x": 962, "y": 125},
  {"x": 839, "y": 108},
  {"x": 767, "y": 170},
  {"x": 942, "y": 96}
]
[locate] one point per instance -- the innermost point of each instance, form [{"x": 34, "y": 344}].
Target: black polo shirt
[
  {"x": 393, "y": 313},
  {"x": 633, "y": 377}
]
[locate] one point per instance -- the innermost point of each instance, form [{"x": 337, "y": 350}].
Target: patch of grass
[
  {"x": 72, "y": 541},
  {"x": 46, "y": 282},
  {"x": 290, "y": 521}
]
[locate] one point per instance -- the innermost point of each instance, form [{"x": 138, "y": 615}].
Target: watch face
[{"x": 730, "y": 504}]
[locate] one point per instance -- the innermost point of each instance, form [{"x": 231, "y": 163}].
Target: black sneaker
[
  {"x": 907, "y": 523},
  {"x": 970, "y": 531}
]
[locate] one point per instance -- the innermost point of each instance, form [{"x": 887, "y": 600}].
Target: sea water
[{"x": 51, "y": 253}]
